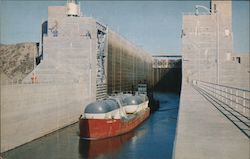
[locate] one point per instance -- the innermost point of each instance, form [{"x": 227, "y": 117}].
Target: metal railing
[
  {"x": 238, "y": 99},
  {"x": 233, "y": 102}
]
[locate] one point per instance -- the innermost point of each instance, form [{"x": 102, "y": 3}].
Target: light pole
[
  {"x": 197, "y": 25},
  {"x": 199, "y": 6},
  {"x": 217, "y": 48},
  {"x": 217, "y": 38}
]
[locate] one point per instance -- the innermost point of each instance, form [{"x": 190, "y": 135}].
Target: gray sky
[{"x": 152, "y": 25}]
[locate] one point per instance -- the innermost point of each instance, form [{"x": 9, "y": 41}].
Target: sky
[{"x": 153, "y": 25}]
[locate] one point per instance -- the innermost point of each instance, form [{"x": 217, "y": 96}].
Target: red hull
[{"x": 104, "y": 128}]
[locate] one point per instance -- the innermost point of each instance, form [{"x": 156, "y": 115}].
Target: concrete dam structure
[
  {"x": 45, "y": 86},
  {"x": 78, "y": 60},
  {"x": 213, "y": 119}
]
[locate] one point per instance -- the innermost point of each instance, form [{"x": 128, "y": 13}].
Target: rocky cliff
[{"x": 17, "y": 60}]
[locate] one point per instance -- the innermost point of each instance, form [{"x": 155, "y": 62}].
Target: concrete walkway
[{"x": 205, "y": 133}]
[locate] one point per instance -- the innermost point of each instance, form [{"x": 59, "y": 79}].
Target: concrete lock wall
[
  {"x": 208, "y": 52},
  {"x": 236, "y": 73},
  {"x": 127, "y": 64},
  {"x": 65, "y": 82},
  {"x": 208, "y": 48},
  {"x": 199, "y": 48},
  {"x": 66, "y": 77},
  {"x": 29, "y": 111}
]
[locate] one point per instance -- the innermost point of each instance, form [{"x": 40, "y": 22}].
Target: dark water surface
[{"x": 153, "y": 139}]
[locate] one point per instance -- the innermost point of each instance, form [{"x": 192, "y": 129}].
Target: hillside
[{"x": 17, "y": 60}]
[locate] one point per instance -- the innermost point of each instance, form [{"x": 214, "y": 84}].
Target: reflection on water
[
  {"x": 106, "y": 147},
  {"x": 152, "y": 139}
]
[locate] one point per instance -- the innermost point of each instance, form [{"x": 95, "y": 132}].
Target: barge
[{"x": 113, "y": 116}]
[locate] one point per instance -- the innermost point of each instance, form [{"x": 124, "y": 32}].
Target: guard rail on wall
[{"x": 233, "y": 102}]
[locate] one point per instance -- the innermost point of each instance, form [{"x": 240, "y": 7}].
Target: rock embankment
[{"x": 17, "y": 60}]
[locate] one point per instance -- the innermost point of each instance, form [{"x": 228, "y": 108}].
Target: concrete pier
[{"x": 204, "y": 132}]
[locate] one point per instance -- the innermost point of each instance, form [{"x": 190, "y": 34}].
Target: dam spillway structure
[{"x": 79, "y": 60}]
